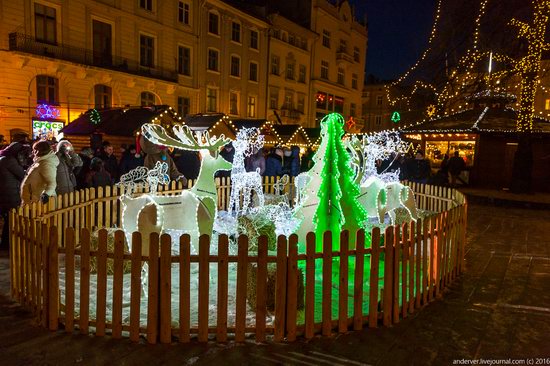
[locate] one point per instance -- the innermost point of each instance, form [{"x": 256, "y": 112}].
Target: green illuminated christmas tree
[{"x": 330, "y": 196}]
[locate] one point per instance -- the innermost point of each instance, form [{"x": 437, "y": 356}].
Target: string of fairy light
[{"x": 528, "y": 67}]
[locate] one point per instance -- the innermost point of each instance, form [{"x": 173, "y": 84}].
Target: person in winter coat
[
  {"x": 420, "y": 168},
  {"x": 111, "y": 164},
  {"x": 86, "y": 155},
  {"x": 97, "y": 176},
  {"x": 130, "y": 160},
  {"x": 294, "y": 161},
  {"x": 156, "y": 153},
  {"x": 188, "y": 162},
  {"x": 40, "y": 182},
  {"x": 456, "y": 166},
  {"x": 12, "y": 163},
  {"x": 256, "y": 161},
  {"x": 274, "y": 164},
  {"x": 228, "y": 153},
  {"x": 69, "y": 165}
]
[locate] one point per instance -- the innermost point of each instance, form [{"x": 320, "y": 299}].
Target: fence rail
[{"x": 72, "y": 275}]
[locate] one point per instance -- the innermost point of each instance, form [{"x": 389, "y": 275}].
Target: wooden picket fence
[{"x": 404, "y": 268}]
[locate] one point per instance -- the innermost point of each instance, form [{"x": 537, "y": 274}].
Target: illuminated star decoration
[
  {"x": 350, "y": 123},
  {"x": 45, "y": 111},
  {"x": 430, "y": 111}
]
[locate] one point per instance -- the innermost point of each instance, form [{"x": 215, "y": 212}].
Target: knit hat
[{"x": 41, "y": 147}]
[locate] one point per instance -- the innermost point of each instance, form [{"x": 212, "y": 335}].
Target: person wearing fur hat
[
  {"x": 40, "y": 182},
  {"x": 69, "y": 165},
  {"x": 156, "y": 153}
]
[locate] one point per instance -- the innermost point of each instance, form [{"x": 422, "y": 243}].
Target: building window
[
  {"x": 233, "y": 103},
  {"x": 213, "y": 60},
  {"x": 302, "y": 74},
  {"x": 321, "y": 100},
  {"x": 338, "y": 105},
  {"x": 341, "y": 75},
  {"x": 184, "y": 60},
  {"x": 147, "y": 99},
  {"x": 289, "y": 101},
  {"x": 324, "y": 70},
  {"x": 378, "y": 120},
  {"x": 235, "y": 66},
  {"x": 183, "y": 12},
  {"x": 236, "y": 32},
  {"x": 184, "y": 106},
  {"x": 290, "y": 70},
  {"x": 47, "y": 90},
  {"x": 352, "y": 109},
  {"x": 273, "y": 99},
  {"x": 547, "y": 104},
  {"x": 343, "y": 46},
  {"x": 275, "y": 64},
  {"x": 102, "y": 42},
  {"x": 301, "y": 103},
  {"x": 253, "y": 74},
  {"x": 211, "y": 100},
  {"x": 291, "y": 39},
  {"x": 251, "y": 110},
  {"x": 254, "y": 39},
  {"x": 146, "y": 4},
  {"x": 103, "y": 96},
  {"x": 45, "y": 25},
  {"x": 379, "y": 99},
  {"x": 354, "y": 81},
  {"x": 356, "y": 54},
  {"x": 213, "y": 23},
  {"x": 326, "y": 38},
  {"x": 146, "y": 51}
]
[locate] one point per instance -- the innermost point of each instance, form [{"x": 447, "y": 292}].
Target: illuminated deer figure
[{"x": 192, "y": 210}]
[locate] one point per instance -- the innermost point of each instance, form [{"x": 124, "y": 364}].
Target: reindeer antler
[{"x": 185, "y": 139}]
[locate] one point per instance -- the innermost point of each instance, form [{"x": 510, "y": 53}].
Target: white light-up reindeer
[
  {"x": 381, "y": 193},
  {"x": 192, "y": 211},
  {"x": 248, "y": 141}
]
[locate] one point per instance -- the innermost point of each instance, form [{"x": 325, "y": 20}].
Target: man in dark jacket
[
  {"x": 69, "y": 166},
  {"x": 274, "y": 164},
  {"x": 111, "y": 164},
  {"x": 12, "y": 161},
  {"x": 455, "y": 166},
  {"x": 130, "y": 160}
]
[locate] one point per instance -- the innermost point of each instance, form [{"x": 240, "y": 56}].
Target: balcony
[
  {"x": 342, "y": 55},
  {"x": 24, "y": 43}
]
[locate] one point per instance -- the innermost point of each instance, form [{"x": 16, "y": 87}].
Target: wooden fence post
[
  {"x": 280, "y": 290},
  {"x": 53, "y": 280},
  {"x": 388, "y": 276},
  {"x": 343, "y": 283},
  {"x": 204, "y": 284},
  {"x": 153, "y": 289},
  {"x": 327, "y": 284},
  {"x": 240, "y": 301},
  {"x": 223, "y": 250},
  {"x": 374, "y": 277},
  {"x": 185, "y": 284},
  {"x": 310, "y": 286},
  {"x": 292, "y": 288},
  {"x": 358, "y": 287},
  {"x": 165, "y": 289}
]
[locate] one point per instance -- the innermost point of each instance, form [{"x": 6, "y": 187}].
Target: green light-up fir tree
[{"x": 330, "y": 197}]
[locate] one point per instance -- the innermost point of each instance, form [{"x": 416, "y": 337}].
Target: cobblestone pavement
[{"x": 498, "y": 309}]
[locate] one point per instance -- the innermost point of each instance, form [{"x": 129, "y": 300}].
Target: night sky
[{"x": 398, "y": 33}]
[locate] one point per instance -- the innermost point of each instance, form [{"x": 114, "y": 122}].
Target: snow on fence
[{"x": 191, "y": 294}]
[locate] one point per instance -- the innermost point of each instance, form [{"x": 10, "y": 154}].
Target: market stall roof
[
  {"x": 249, "y": 123},
  {"x": 314, "y": 134},
  {"x": 286, "y": 135},
  {"x": 478, "y": 120},
  {"x": 119, "y": 121},
  {"x": 215, "y": 123}
]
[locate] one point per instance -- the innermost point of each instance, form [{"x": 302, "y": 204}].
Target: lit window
[
  {"x": 183, "y": 12},
  {"x": 236, "y": 32},
  {"x": 45, "y": 27},
  {"x": 251, "y": 106},
  {"x": 213, "y": 23},
  {"x": 235, "y": 66},
  {"x": 547, "y": 104}
]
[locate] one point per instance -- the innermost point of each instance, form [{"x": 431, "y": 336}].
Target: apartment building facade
[{"x": 63, "y": 57}]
